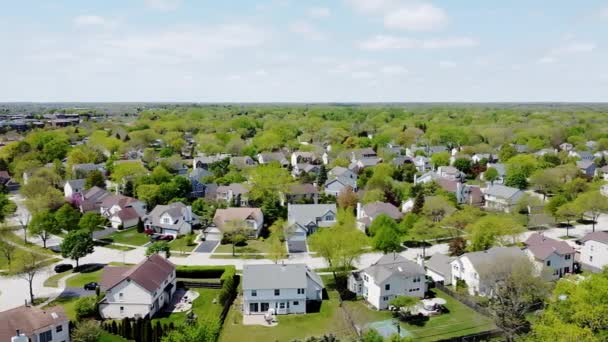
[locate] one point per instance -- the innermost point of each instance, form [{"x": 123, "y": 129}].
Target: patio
[
  {"x": 182, "y": 301},
  {"x": 258, "y": 320}
]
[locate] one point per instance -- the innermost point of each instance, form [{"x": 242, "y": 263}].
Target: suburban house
[
  {"x": 558, "y": 256},
  {"x": 90, "y": 200},
  {"x": 501, "y": 198},
  {"x": 34, "y": 324},
  {"x": 451, "y": 173},
  {"x": 338, "y": 179},
  {"x": 203, "y": 161},
  {"x": 594, "y": 252},
  {"x": 172, "y": 219},
  {"x": 305, "y": 168},
  {"x": 587, "y": 167},
  {"x": 501, "y": 169},
  {"x": 475, "y": 269},
  {"x": 74, "y": 186},
  {"x": 439, "y": 268},
  {"x": 82, "y": 170},
  {"x": 279, "y": 157},
  {"x": 279, "y": 288},
  {"x": 465, "y": 193},
  {"x": 566, "y": 147},
  {"x": 391, "y": 276},
  {"x": 422, "y": 163},
  {"x": 305, "y": 219},
  {"x": 250, "y": 219},
  {"x": 306, "y": 158},
  {"x": 583, "y": 155},
  {"x": 242, "y": 162},
  {"x": 137, "y": 291},
  {"x": 196, "y": 179},
  {"x": 479, "y": 157},
  {"x": 367, "y": 213},
  {"x": 233, "y": 194},
  {"x": 122, "y": 211},
  {"x": 300, "y": 193},
  {"x": 426, "y": 150}
]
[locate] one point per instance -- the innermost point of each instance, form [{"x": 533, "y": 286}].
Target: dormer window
[{"x": 166, "y": 220}]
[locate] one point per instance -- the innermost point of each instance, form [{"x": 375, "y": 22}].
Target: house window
[
  {"x": 568, "y": 256},
  {"x": 329, "y": 218},
  {"x": 591, "y": 258},
  {"x": 300, "y": 291},
  {"x": 385, "y": 298},
  {"x": 387, "y": 287},
  {"x": 365, "y": 277},
  {"x": 120, "y": 296},
  {"x": 253, "y": 307},
  {"x": 166, "y": 220},
  {"x": 122, "y": 309},
  {"x": 277, "y": 292},
  {"x": 46, "y": 336},
  {"x": 281, "y": 305},
  {"x": 548, "y": 262},
  {"x": 296, "y": 303},
  {"x": 416, "y": 280},
  {"x": 254, "y": 293},
  {"x": 59, "y": 328}
]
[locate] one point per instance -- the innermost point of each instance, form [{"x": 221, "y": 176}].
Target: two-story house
[
  {"x": 251, "y": 220},
  {"x": 72, "y": 187},
  {"x": 338, "y": 179},
  {"x": 203, "y": 161},
  {"x": 368, "y": 212},
  {"x": 594, "y": 251},
  {"x": 389, "y": 277},
  {"x": 137, "y": 291},
  {"x": 501, "y": 198},
  {"x": 28, "y": 323},
  {"x": 547, "y": 253},
  {"x": 305, "y": 219},
  {"x": 476, "y": 269},
  {"x": 300, "y": 193},
  {"x": 279, "y": 288},
  {"x": 196, "y": 178},
  {"x": 172, "y": 219},
  {"x": 122, "y": 211},
  {"x": 269, "y": 157},
  {"x": 233, "y": 194}
]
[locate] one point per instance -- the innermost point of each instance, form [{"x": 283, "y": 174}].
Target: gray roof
[
  {"x": 503, "y": 191},
  {"x": 485, "y": 261},
  {"x": 440, "y": 263},
  {"x": 76, "y": 183},
  {"x": 176, "y": 210},
  {"x": 199, "y": 173},
  {"x": 501, "y": 168},
  {"x": 584, "y": 164},
  {"x": 598, "y": 236},
  {"x": 303, "y": 214},
  {"x": 277, "y": 276},
  {"x": 391, "y": 264}
]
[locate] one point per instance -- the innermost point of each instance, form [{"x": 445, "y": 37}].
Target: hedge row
[
  {"x": 202, "y": 272},
  {"x": 229, "y": 286}
]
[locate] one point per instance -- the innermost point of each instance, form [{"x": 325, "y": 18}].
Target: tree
[
  {"x": 7, "y": 248},
  {"x": 491, "y": 175},
  {"x": 436, "y": 208},
  {"x": 95, "y": 178},
  {"x": 86, "y": 331},
  {"x": 203, "y": 332},
  {"x": 545, "y": 181},
  {"x": 457, "y": 246},
  {"x": 381, "y": 221},
  {"x": 43, "y": 224},
  {"x": 418, "y": 203},
  {"x": 268, "y": 181},
  {"x": 77, "y": 244},
  {"x": 322, "y": 176},
  {"x": 24, "y": 221},
  {"x": 347, "y": 198},
  {"x": 91, "y": 222},
  {"x": 387, "y": 239},
  {"x": 159, "y": 247},
  {"x": 492, "y": 230},
  {"x": 234, "y": 232},
  {"x": 149, "y": 193},
  {"x": 67, "y": 217},
  {"x": 506, "y": 152},
  {"x": 569, "y": 212},
  {"x": 463, "y": 165},
  {"x": 592, "y": 203},
  {"x": 516, "y": 180},
  {"x": 277, "y": 249},
  {"x": 516, "y": 289},
  {"x": 404, "y": 303},
  {"x": 7, "y": 207},
  {"x": 85, "y": 307},
  {"x": 28, "y": 268},
  {"x": 440, "y": 159},
  {"x": 425, "y": 230}
]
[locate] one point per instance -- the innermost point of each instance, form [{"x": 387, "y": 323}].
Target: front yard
[
  {"x": 83, "y": 278},
  {"x": 128, "y": 237},
  {"x": 182, "y": 245},
  {"x": 250, "y": 247},
  {"x": 329, "y": 319},
  {"x": 460, "y": 320}
]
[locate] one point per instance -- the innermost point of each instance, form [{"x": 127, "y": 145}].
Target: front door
[
  {"x": 264, "y": 307},
  {"x": 253, "y": 307}
]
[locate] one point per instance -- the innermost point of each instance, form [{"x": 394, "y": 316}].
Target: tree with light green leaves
[
  {"x": 593, "y": 204},
  {"x": 43, "y": 225},
  {"x": 493, "y": 230}
]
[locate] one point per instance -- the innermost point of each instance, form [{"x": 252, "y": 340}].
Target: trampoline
[{"x": 387, "y": 328}]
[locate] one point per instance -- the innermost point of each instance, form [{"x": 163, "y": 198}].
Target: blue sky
[{"x": 304, "y": 51}]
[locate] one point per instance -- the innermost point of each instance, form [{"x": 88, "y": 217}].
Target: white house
[
  {"x": 305, "y": 219},
  {"x": 137, "y": 291},
  {"x": 501, "y": 198},
  {"x": 172, "y": 219},
  {"x": 338, "y": 179},
  {"x": 251, "y": 219},
  {"x": 234, "y": 193},
  {"x": 547, "y": 253},
  {"x": 391, "y": 276},
  {"x": 439, "y": 268},
  {"x": 279, "y": 288},
  {"x": 594, "y": 253},
  {"x": 28, "y": 323},
  {"x": 122, "y": 211},
  {"x": 478, "y": 270},
  {"x": 74, "y": 186}
]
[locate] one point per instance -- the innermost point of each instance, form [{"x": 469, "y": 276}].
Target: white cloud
[
  {"x": 319, "y": 12},
  {"x": 385, "y": 42},
  {"x": 163, "y": 5},
  {"x": 574, "y": 47},
  {"x": 92, "y": 21},
  {"x": 362, "y": 75},
  {"x": 307, "y": 30},
  {"x": 260, "y": 73},
  {"x": 373, "y": 6},
  {"x": 546, "y": 60},
  {"x": 416, "y": 17},
  {"x": 604, "y": 13},
  {"x": 447, "y": 64},
  {"x": 393, "y": 70}
]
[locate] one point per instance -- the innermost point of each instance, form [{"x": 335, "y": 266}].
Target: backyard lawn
[
  {"x": 251, "y": 246},
  {"x": 461, "y": 320},
  {"x": 128, "y": 237},
  {"x": 328, "y": 320},
  {"x": 203, "y": 307},
  {"x": 82, "y": 278},
  {"x": 107, "y": 337}
]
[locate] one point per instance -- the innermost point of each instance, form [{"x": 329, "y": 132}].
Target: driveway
[
  {"x": 207, "y": 246},
  {"x": 296, "y": 247}
]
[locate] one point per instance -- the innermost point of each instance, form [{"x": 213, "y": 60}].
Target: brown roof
[
  {"x": 235, "y": 214},
  {"x": 30, "y": 320},
  {"x": 542, "y": 247},
  {"x": 596, "y": 236},
  {"x": 376, "y": 208},
  {"x": 301, "y": 189},
  {"x": 149, "y": 274},
  {"x": 127, "y": 214},
  {"x": 4, "y": 175},
  {"x": 447, "y": 184},
  {"x": 119, "y": 200}
]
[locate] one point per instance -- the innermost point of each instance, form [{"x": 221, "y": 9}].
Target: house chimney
[
  {"x": 358, "y": 210},
  {"x": 420, "y": 260}
]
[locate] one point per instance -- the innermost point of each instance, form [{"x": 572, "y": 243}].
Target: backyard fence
[
  {"x": 483, "y": 336},
  {"x": 198, "y": 285},
  {"x": 463, "y": 299}
]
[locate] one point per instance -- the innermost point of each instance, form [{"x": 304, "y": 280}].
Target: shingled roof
[
  {"x": 149, "y": 274},
  {"x": 596, "y": 236},
  {"x": 390, "y": 264},
  {"x": 30, "y": 320},
  {"x": 542, "y": 247}
]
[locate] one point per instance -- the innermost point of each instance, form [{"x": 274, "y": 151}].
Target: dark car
[
  {"x": 155, "y": 237},
  {"x": 56, "y": 248},
  {"x": 149, "y": 231},
  {"x": 63, "y": 267},
  {"x": 166, "y": 237},
  {"x": 91, "y": 286}
]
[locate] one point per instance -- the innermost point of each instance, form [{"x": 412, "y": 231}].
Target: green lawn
[
  {"x": 251, "y": 246},
  {"x": 69, "y": 306},
  {"x": 53, "y": 281},
  {"x": 82, "y": 278},
  {"x": 203, "y": 307},
  {"x": 180, "y": 245},
  {"x": 14, "y": 238},
  {"x": 238, "y": 256},
  {"x": 461, "y": 320},
  {"x": 128, "y": 237},
  {"x": 107, "y": 337},
  {"x": 328, "y": 320}
]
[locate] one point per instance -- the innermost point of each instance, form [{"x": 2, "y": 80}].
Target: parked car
[
  {"x": 149, "y": 231},
  {"x": 166, "y": 237},
  {"x": 56, "y": 248},
  {"x": 91, "y": 286},
  {"x": 63, "y": 267},
  {"x": 155, "y": 236},
  {"x": 161, "y": 237}
]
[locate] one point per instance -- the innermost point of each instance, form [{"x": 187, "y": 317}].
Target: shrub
[
  {"x": 85, "y": 307},
  {"x": 229, "y": 286},
  {"x": 202, "y": 272},
  {"x": 86, "y": 331}
]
